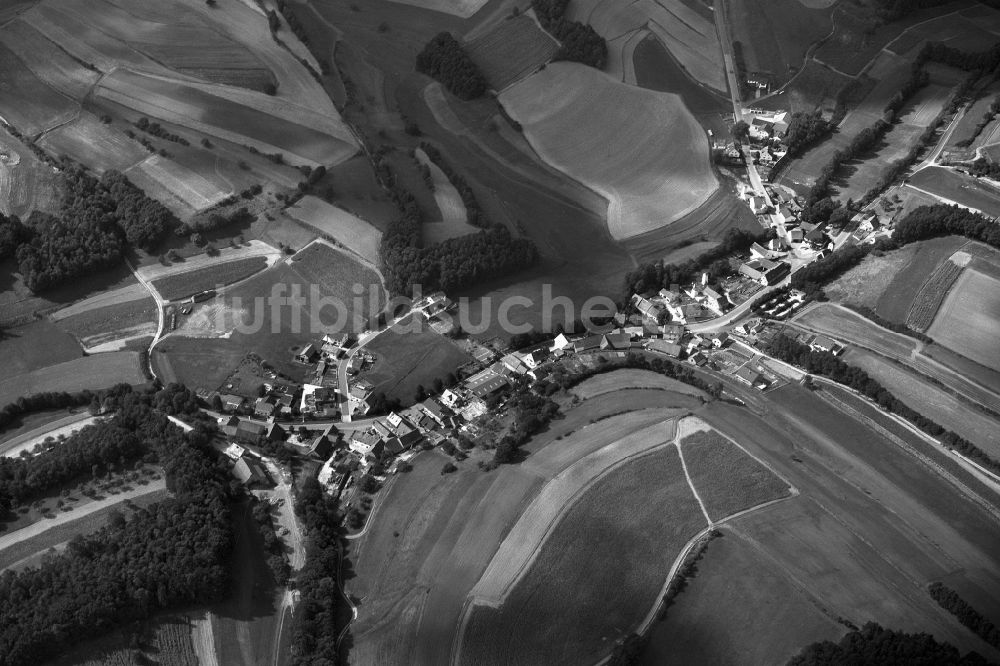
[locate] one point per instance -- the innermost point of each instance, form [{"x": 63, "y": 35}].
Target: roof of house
[
  {"x": 367, "y": 438},
  {"x": 230, "y": 400},
  {"x": 823, "y": 342},
  {"x": 617, "y": 340},
  {"x": 250, "y": 429},
  {"x": 711, "y": 293},
  {"x": 433, "y": 407},
  {"x": 265, "y": 408},
  {"x": 669, "y": 348},
  {"x": 749, "y": 376},
  {"x": 587, "y": 343},
  {"x": 308, "y": 350},
  {"x": 249, "y": 471}
]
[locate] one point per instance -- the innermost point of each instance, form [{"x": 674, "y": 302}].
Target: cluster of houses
[
  {"x": 782, "y": 212},
  {"x": 766, "y": 130},
  {"x": 695, "y": 302}
]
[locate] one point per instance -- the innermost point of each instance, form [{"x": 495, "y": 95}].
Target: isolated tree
[{"x": 740, "y": 131}]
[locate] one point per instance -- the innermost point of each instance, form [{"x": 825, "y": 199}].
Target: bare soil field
[
  {"x": 960, "y": 188},
  {"x": 89, "y": 141},
  {"x": 588, "y": 125},
  {"x": 874, "y": 523},
  {"x": 349, "y": 230},
  {"x": 90, "y": 372},
  {"x": 404, "y": 361},
  {"x": 931, "y": 400},
  {"x": 28, "y": 104},
  {"x": 740, "y": 607},
  {"x": 48, "y": 62},
  {"x": 451, "y": 208},
  {"x": 688, "y": 34},
  {"x": 968, "y": 320},
  {"x": 192, "y": 106},
  {"x": 775, "y": 36},
  {"x": 512, "y": 50},
  {"x": 727, "y": 479},
  {"x": 579, "y": 568},
  {"x": 631, "y": 379}
]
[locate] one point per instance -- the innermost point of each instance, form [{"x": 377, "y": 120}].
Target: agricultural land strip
[
  {"x": 969, "y": 317},
  {"x": 357, "y": 235},
  {"x": 512, "y": 50},
  {"x": 90, "y": 372}
]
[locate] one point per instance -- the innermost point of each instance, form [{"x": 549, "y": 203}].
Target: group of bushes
[
  {"x": 444, "y": 60},
  {"x": 949, "y": 600},
  {"x": 872, "y": 644},
  {"x": 805, "y": 130},
  {"x": 95, "y": 221},
  {"x": 579, "y": 42}
]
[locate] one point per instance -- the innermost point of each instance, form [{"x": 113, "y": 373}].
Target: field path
[
  {"x": 160, "y": 305},
  {"x": 8, "y": 540},
  {"x": 685, "y": 428}
]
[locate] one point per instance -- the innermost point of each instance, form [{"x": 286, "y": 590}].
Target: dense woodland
[
  {"x": 579, "y": 42},
  {"x": 317, "y": 626},
  {"x": 873, "y": 645},
  {"x": 168, "y": 554},
  {"x": 96, "y": 221},
  {"x": 806, "y": 130},
  {"x": 650, "y": 277},
  {"x": 452, "y": 264},
  {"x": 444, "y": 59},
  {"x": 828, "y": 365}
]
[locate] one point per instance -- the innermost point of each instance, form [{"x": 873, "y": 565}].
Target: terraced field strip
[{"x": 931, "y": 295}]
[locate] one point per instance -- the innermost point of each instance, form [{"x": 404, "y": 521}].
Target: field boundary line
[{"x": 687, "y": 475}]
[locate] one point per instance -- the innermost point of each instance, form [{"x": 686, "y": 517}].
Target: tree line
[
  {"x": 653, "y": 276},
  {"x": 474, "y": 214},
  {"x": 444, "y": 60},
  {"x": 166, "y": 555},
  {"x": 578, "y": 42},
  {"x": 806, "y": 130},
  {"x": 949, "y": 600},
  {"x": 873, "y": 644},
  {"x": 96, "y": 219},
  {"x": 828, "y": 365}
]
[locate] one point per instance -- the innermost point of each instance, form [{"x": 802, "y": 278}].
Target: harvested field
[
  {"x": 191, "y": 106},
  {"x": 727, "y": 479},
  {"x": 579, "y": 568},
  {"x": 931, "y": 400},
  {"x": 718, "y": 618},
  {"x": 90, "y": 372},
  {"x": 404, "y": 361},
  {"x": 688, "y": 34},
  {"x": 453, "y": 222},
  {"x": 459, "y": 8},
  {"x": 529, "y": 535},
  {"x": 182, "y": 285},
  {"x": 347, "y": 229},
  {"x": 512, "y": 50},
  {"x": 596, "y": 130},
  {"x": 27, "y": 103},
  {"x": 89, "y": 141},
  {"x": 49, "y": 63},
  {"x": 932, "y": 294},
  {"x": 968, "y": 320},
  {"x": 618, "y": 380},
  {"x": 337, "y": 272},
  {"x": 195, "y": 191},
  {"x": 959, "y": 188},
  {"x": 121, "y": 321},
  {"x": 776, "y": 34},
  {"x": 922, "y": 259}
]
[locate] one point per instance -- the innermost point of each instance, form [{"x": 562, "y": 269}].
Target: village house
[
  {"x": 308, "y": 354},
  {"x": 368, "y": 441},
  {"x": 765, "y": 271},
  {"x": 669, "y": 348},
  {"x": 616, "y": 342},
  {"x": 672, "y": 332},
  {"x": 715, "y": 301},
  {"x": 250, "y": 472},
  {"x": 234, "y": 451},
  {"x": 450, "y": 399},
  {"x": 231, "y": 403},
  {"x": 433, "y": 409},
  {"x": 822, "y": 343},
  {"x": 533, "y": 358},
  {"x": 264, "y": 408},
  {"x": 560, "y": 342},
  {"x": 751, "y": 378},
  {"x": 720, "y": 340}
]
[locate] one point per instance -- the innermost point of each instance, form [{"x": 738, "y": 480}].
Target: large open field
[
  {"x": 349, "y": 230},
  {"x": 959, "y": 188},
  {"x": 27, "y": 103},
  {"x": 596, "y": 130},
  {"x": 48, "y": 62},
  {"x": 112, "y": 325},
  {"x": 404, "y": 361},
  {"x": 194, "y": 191},
  {"x": 580, "y": 568},
  {"x": 90, "y": 372},
  {"x": 970, "y": 317},
  {"x": 512, "y": 50},
  {"x": 688, "y": 34},
  {"x": 89, "y": 141},
  {"x": 775, "y": 35}
]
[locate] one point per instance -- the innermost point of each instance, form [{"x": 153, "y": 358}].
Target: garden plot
[
  {"x": 641, "y": 150},
  {"x": 349, "y": 230},
  {"x": 511, "y": 50},
  {"x": 90, "y": 142},
  {"x": 49, "y": 63}
]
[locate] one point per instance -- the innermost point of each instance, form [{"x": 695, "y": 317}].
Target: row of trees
[
  {"x": 95, "y": 221},
  {"x": 828, "y": 365},
  {"x": 657, "y": 275},
  {"x": 444, "y": 59},
  {"x": 579, "y": 42},
  {"x": 169, "y": 554},
  {"x": 872, "y": 644},
  {"x": 949, "y": 600}
]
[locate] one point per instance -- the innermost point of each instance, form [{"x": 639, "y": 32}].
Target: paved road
[{"x": 160, "y": 305}]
